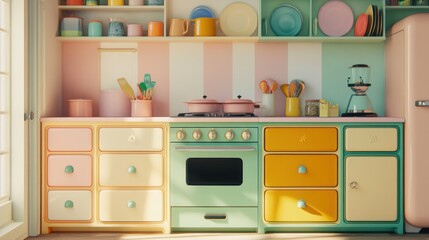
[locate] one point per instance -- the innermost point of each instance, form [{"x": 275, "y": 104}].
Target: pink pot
[
  {"x": 204, "y": 106},
  {"x": 239, "y": 106}
]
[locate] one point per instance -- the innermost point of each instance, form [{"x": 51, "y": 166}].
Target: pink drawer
[
  {"x": 69, "y": 170},
  {"x": 69, "y": 139}
]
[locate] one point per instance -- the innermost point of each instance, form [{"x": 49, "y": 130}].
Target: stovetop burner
[{"x": 210, "y": 114}]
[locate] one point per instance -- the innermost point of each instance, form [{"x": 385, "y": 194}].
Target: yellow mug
[
  {"x": 205, "y": 27},
  {"x": 115, "y": 2},
  {"x": 292, "y": 107}
]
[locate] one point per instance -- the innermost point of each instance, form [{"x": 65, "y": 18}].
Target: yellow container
[
  {"x": 292, "y": 107},
  {"x": 116, "y": 2}
]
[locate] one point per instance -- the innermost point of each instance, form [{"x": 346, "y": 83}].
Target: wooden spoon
[
  {"x": 263, "y": 85},
  {"x": 125, "y": 86},
  {"x": 285, "y": 89}
]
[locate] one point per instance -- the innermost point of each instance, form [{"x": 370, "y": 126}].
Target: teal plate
[{"x": 286, "y": 20}]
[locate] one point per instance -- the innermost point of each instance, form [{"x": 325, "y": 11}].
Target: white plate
[{"x": 238, "y": 19}]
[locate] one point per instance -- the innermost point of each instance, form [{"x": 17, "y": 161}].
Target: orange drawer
[
  {"x": 309, "y": 139},
  {"x": 300, "y": 170},
  {"x": 300, "y": 206}
]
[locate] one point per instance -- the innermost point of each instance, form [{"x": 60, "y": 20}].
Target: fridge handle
[{"x": 422, "y": 103}]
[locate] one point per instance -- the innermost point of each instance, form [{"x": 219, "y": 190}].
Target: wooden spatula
[{"x": 125, "y": 86}]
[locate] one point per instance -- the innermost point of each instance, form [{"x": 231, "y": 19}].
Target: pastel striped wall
[{"x": 188, "y": 70}]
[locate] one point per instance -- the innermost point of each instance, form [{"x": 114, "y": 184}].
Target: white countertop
[{"x": 225, "y": 119}]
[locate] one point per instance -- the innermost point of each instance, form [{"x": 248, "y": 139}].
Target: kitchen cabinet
[
  {"x": 109, "y": 176},
  {"x": 342, "y": 177}
]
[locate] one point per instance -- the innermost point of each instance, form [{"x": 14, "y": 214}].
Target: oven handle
[{"x": 215, "y": 149}]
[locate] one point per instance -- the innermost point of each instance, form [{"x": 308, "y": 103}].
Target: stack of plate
[
  {"x": 335, "y": 18},
  {"x": 375, "y": 21},
  {"x": 238, "y": 19}
]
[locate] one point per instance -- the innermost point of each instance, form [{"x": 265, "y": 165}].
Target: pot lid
[
  {"x": 239, "y": 100},
  {"x": 204, "y": 100}
]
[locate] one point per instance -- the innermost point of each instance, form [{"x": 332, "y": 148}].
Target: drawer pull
[
  {"x": 69, "y": 169},
  {"x": 353, "y": 185},
  {"x": 422, "y": 103},
  {"x": 132, "y": 169},
  {"x": 132, "y": 139},
  {"x": 131, "y": 204},
  {"x": 301, "y": 204},
  {"x": 215, "y": 216},
  {"x": 69, "y": 204},
  {"x": 302, "y": 169}
]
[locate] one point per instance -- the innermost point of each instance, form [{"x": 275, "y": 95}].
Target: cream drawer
[
  {"x": 131, "y": 139},
  {"x": 69, "y": 170},
  {"x": 300, "y": 206},
  {"x": 131, "y": 170},
  {"x": 69, "y": 205},
  {"x": 371, "y": 139},
  {"x": 214, "y": 217},
  {"x": 131, "y": 205},
  {"x": 69, "y": 139}
]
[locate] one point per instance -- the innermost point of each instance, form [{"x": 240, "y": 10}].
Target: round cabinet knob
[
  {"x": 302, "y": 169},
  {"x": 132, "y": 169},
  {"x": 301, "y": 204},
  {"x": 196, "y": 135},
  {"x": 245, "y": 135},
  {"x": 212, "y": 135},
  {"x": 180, "y": 134},
  {"x": 69, "y": 169},
  {"x": 131, "y": 204},
  {"x": 229, "y": 134},
  {"x": 353, "y": 185},
  {"x": 68, "y": 204}
]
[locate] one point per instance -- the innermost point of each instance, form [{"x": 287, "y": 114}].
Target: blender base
[{"x": 360, "y": 114}]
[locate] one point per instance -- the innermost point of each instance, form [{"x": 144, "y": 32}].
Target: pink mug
[
  {"x": 80, "y": 107},
  {"x": 134, "y": 30}
]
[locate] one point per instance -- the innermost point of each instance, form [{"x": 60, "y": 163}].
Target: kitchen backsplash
[{"x": 188, "y": 70}]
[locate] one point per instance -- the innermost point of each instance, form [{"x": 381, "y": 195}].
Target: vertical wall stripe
[
  {"x": 80, "y": 79},
  {"x": 218, "y": 71},
  {"x": 305, "y": 63},
  {"x": 154, "y": 59},
  {"x": 186, "y": 75},
  {"x": 272, "y": 63},
  {"x": 243, "y": 70},
  {"x": 337, "y": 60}
]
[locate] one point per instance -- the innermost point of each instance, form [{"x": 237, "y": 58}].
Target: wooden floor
[{"x": 229, "y": 236}]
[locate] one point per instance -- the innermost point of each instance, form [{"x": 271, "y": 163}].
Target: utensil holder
[
  {"x": 141, "y": 108},
  {"x": 268, "y": 105},
  {"x": 292, "y": 107}
]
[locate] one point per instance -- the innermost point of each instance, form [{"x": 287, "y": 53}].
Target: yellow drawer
[
  {"x": 131, "y": 170},
  {"x": 300, "y": 206},
  {"x": 309, "y": 139},
  {"x": 131, "y": 205},
  {"x": 300, "y": 170},
  {"x": 371, "y": 139}
]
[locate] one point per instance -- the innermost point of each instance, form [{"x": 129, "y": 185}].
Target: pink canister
[
  {"x": 114, "y": 103},
  {"x": 80, "y": 108}
]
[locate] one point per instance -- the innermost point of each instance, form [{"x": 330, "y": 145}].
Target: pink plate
[
  {"x": 335, "y": 18},
  {"x": 361, "y": 25}
]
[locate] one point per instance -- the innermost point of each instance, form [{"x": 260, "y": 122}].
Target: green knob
[
  {"x": 131, "y": 204},
  {"x": 132, "y": 169},
  {"x": 68, "y": 204},
  {"x": 69, "y": 169}
]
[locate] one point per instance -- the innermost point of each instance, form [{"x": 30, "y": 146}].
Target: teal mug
[{"x": 154, "y": 2}]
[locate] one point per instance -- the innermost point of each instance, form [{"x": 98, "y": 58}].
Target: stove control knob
[
  {"x": 212, "y": 134},
  {"x": 245, "y": 135},
  {"x": 229, "y": 135},
  {"x": 180, "y": 134},
  {"x": 196, "y": 135}
]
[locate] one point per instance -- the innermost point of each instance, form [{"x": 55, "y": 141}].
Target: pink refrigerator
[{"x": 407, "y": 96}]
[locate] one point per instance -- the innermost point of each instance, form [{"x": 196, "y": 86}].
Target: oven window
[{"x": 214, "y": 171}]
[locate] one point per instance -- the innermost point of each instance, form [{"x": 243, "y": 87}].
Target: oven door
[{"x": 221, "y": 174}]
